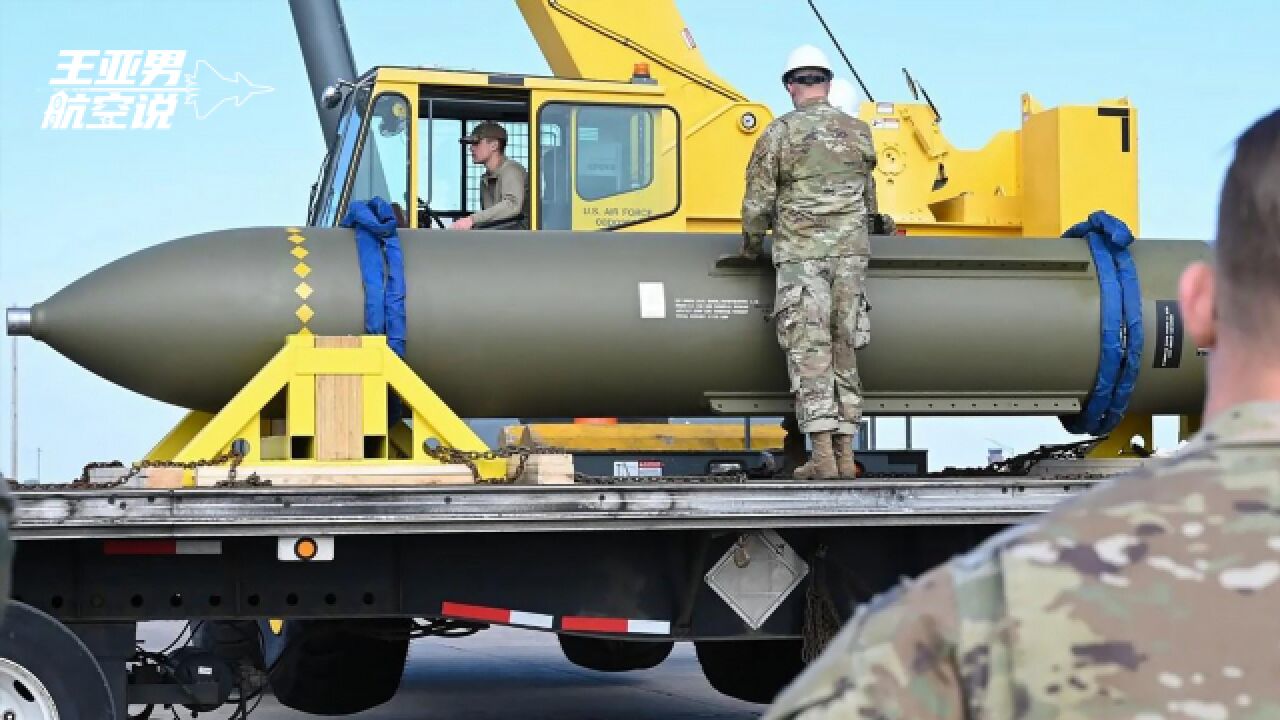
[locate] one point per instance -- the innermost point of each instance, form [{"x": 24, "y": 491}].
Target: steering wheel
[{"x": 426, "y": 215}]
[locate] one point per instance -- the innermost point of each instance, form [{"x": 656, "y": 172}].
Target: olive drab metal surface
[{"x": 601, "y": 324}]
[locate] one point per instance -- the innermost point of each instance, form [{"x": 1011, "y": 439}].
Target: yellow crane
[{"x": 636, "y": 132}]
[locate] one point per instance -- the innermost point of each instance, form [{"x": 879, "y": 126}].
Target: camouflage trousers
[{"x": 822, "y": 315}]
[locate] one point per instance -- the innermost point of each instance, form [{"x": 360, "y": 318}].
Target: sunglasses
[{"x": 807, "y": 79}]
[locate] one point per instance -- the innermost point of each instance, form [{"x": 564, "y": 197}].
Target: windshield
[
  {"x": 378, "y": 148},
  {"x": 329, "y": 198}
]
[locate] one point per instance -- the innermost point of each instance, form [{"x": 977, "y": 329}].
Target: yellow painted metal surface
[
  {"x": 1036, "y": 181},
  {"x": 1119, "y": 442},
  {"x": 1077, "y": 160},
  {"x": 293, "y": 370},
  {"x": 179, "y": 436},
  {"x": 644, "y": 437},
  {"x": 1189, "y": 425}
]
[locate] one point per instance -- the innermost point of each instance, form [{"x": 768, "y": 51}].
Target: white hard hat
[
  {"x": 843, "y": 96},
  {"x": 807, "y": 56}
]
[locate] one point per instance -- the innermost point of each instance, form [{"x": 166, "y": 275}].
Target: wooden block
[
  {"x": 542, "y": 470},
  {"x": 342, "y": 475},
  {"x": 162, "y": 477},
  {"x": 339, "y": 409}
]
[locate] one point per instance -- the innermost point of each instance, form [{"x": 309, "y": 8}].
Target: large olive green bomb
[{"x": 512, "y": 323}]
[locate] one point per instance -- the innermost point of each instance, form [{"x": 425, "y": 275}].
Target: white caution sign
[{"x": 756, "y": 574}]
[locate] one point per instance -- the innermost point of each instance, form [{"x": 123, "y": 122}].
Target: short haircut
[{"x": 1247, "y": 248}]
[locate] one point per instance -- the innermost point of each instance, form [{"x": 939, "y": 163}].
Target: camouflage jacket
[
  {"x": 1156, "y": 596},
  {"x": 809, "y": 179}
]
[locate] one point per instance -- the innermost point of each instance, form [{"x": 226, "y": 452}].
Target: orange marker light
[
  {"x": 305, "y": 548},
  {"x": 640, "y": 70}
]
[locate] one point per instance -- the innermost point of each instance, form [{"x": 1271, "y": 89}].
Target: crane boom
[{"x": 326, "y": 52}]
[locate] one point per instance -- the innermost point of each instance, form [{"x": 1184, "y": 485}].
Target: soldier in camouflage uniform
[
  {"x": 809, "y": 179},
  {"x": 1156, "y": 596}
]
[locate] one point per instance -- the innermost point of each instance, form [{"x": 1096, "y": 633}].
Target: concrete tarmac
[{"x": 508, "y": 673}]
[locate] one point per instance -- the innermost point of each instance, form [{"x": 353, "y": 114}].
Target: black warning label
[{"x": 1168, "y": 335}]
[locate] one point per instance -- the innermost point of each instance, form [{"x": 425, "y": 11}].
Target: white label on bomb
[{"x": 653, "y": 301}]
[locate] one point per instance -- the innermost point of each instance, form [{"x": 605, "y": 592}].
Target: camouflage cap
[{"x": 485, "y": 131}]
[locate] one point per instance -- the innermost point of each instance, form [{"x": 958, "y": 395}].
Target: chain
[
  {"x": 453, "y": 456},
  {"x": 1016, "y": 466},
  {"x": 821, "y": 617},
  {"x": 85, "y": 482},
  {"x": 1020, "y": 465}
]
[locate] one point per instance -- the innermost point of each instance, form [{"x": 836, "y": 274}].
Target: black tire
[
  {"x": 608, "y": 655},
  {"x": 337, "y": 667},
  {"x": 751, "y": 670},
  {"x": 43, "y": 647}
]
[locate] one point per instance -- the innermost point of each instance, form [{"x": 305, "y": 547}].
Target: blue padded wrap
[
  {"x": 381, "y": 269},
  {"x": 1122, "y": 337}
]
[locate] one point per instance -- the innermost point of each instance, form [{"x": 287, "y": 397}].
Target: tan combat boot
[
  {"x": 845, "y": 464},
  {"x": 822, "y": 462}
]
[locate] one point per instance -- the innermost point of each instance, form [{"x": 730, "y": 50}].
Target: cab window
[
  {"x": 602, "y": 167},
  {"x": 448, "y": 181},
  {"x": 383, "y": 169}
]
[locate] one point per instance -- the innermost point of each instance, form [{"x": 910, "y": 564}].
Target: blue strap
[
  {"x": 1120, "y": 238},
  {"x": 381, "y": 269},
  {"x": 1121, "y": 341}
]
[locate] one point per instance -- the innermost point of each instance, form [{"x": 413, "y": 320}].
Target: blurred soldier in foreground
[
  {"x": 807, "y": 179},
  {"x": 1157, "y": 596}
]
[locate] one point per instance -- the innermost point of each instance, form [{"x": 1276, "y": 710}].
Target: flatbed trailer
[{"x": 614, "y": 566}]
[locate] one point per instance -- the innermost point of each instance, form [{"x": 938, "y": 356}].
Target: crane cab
[{"x": 600, "y": 155}]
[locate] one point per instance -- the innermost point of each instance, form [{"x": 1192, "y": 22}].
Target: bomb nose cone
[{"x": 17, "y": 322}]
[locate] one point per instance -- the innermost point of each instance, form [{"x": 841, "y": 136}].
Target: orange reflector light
[
  {"x": 305, "y": 548},
  {"x": 640, "y": 70}
]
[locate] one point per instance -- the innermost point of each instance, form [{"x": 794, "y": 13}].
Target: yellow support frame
[
  {"x": 201, "y": 436},
  {"x": 1117, "y": 443}
]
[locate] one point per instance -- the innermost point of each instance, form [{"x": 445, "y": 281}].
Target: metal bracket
[{"x": 774, "y": 403}]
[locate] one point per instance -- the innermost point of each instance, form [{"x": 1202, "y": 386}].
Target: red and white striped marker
[
  {"x": 628, "y": 626},
  {"x": 481, "y": 613},
  {"x": 162, "y": 546},
  {"x": 571, "y": 623}
]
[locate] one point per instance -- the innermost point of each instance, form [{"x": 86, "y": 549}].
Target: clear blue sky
[{"x": 72, "y": 201}]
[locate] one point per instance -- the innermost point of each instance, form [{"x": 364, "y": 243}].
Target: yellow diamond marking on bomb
[
  {"x": 301, "y": 270},
  {"x": 304, "y": 290},
  {"x": 295, "y": 239},
  {"x": 305, "y": 314},
  {"x": 299, "y": 252}
]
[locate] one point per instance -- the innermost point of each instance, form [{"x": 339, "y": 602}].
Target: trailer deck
[{"x": 68, "y": 514}]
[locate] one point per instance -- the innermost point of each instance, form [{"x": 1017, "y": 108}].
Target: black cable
[
  {"x": 832, "y": 35},
  {"x": 181, "y": 632}
]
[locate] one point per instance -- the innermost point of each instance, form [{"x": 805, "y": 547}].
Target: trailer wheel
[
  {"x": 608, "y": 655},
  {"x": 751, "y": 670},
  {"x": 46, "y": 672},
  {"x": 337, "y": 667}
]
